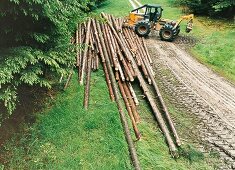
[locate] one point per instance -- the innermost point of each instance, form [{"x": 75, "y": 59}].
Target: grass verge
[{"x": 68, "y": 137}]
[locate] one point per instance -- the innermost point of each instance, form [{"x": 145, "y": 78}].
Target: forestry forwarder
[{"x": 151, "y": 19}]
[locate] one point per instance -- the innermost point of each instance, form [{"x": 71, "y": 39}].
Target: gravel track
[{"x": 198, "y": 90}]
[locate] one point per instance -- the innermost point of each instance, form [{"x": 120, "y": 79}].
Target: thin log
[
  {"x": 167, "y": 114},
  {"x": 126, "y": 76},
  {"x": 143, "y": 68},
  {"x": 97, "y": 61},
  {"x": 85, "y": 51},
  {"x": 98, "y": 41},
  {"x": 156, "y": 112},
  {"x": 106, "y": 44},
  {"x": 93, "y": 61},
  {"x": 132, "y": 71},
  {"x": 130, "y": 41},
  {"x": 92, "y": 40},
  {"x": 121, "y": 73},
  {"x": 92, "y": 48},
  {"x": 120, "y": 55},
  {"x": 133, "y": 94},
  {"x": 119, "y": 39},
  {"x": 127, "y": 70},
  {"x": 116, "y": 51},
  {"x": 88, "y": 79},
  {"x": 123, "y": 118},
  {"x": 108, "y": 81},
  {"x": 129, "y": 110},
  {"x": 132, "y": 104},
  {"x": 144, "y": 56},
  {"x": 117, "y": 75},
  {"x": 81, "y": 38},
  {"x": 109, "y": 43},
  {"x": 111, "y": 93},
  {"x": 135, "y": 44},
  {"x": 115, "y": 23},
  {"x": 147, "y": 52}
]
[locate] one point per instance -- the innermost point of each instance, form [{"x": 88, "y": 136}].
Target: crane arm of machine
[{"x": 189, "y": 26}]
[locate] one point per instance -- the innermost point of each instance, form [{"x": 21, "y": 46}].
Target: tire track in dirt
[
  {"x": 196, "y": 89},
  {"x": 211, "y": 88}
]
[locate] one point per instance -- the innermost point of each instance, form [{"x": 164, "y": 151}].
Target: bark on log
[
  {"x": 167, "y": 114},
  {"x": 119, "y": 39},
  {"x": 157, "y": 114},
  {"x": 131, "y": 147},
  {"x": 129, "y": 110},
  {"x": 113, "y": 53},
  {"x": 133, "y": 94},
  {"x": 98, "y": 41},
  {"x": 147, "y": 52},
  {"x": 131, "y": 102},
  {"x": 108, "y": 48},
  {"x": 103, "y": 61},
  {"x": 88, "y": 79},
  {"x": 85, "y": 51}
]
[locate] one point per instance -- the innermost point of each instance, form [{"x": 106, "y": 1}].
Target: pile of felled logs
[{"x": 125, "y": 58}]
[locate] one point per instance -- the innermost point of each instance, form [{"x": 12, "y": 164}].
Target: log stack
[{"x": 125, "y": 59}]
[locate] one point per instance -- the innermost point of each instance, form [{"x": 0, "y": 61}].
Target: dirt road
[{"x": 199, "y": 91}]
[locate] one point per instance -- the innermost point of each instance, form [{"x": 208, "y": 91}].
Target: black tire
[
  {"x": 167, "y": 33},
  {"x": 142, "y": 28},
  {"x": 177, "y": 30}
]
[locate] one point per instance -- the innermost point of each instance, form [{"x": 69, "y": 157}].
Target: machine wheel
[
  {"x": 167, "y": 33},
  {"x": 142, "y": 28},
  {"x": 177, "y": 30}
]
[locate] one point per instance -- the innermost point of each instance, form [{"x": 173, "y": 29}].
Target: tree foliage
[
  {"x": 35, "y": 42},
  {"x": 217, "y": 8}
]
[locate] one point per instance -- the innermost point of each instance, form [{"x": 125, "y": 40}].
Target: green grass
[
  {"x": 118, "y": 8},
  {"x": 68, "y": 137},
  {"x": 216, "y": 49}
]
